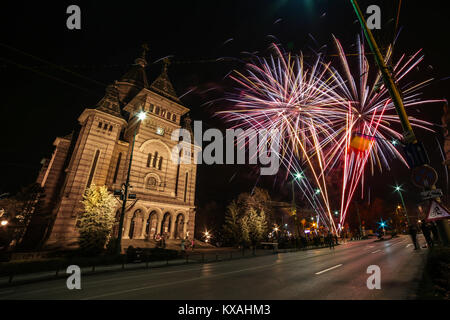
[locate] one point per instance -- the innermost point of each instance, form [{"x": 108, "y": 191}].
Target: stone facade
[{"x": 98, "y": 152}]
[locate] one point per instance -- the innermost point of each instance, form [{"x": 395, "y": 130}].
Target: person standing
[
  {"x": 426, "y": 230},
  {"x": 163, "y": 240},
  {"x": 434, "y": 232},
  {"x": 158, "y": 240},
  {"x": 413, "y": 234},
  {"x": 330, "y": 240}
]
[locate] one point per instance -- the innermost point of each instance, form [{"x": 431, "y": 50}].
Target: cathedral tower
[{"x": 99, "y": 152}]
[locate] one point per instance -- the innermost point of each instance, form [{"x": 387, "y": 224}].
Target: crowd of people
[
  {"x": 429, "y": 231},
  {"x": 185, "y": 244},
  {"x": 319, "y": 239}
]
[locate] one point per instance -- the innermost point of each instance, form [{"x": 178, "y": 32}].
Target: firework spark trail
[
  {"x": 371, "y": 113},
  {"x": 281, "y": 93}
]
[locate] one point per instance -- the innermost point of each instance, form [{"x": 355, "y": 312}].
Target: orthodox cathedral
[{"x": 98, "y": 152}]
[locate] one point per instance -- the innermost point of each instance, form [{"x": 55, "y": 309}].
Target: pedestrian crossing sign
[{"x": 437, "y": 211}]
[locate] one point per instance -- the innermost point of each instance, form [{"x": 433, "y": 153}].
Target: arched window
[
  {"x": 149, "y": 160},
  {"x": 160, "y": 163},
  {"x": 119, "y": 158},
  {"x": 132, "y": 225},
  {"x": 157, "y": 110},
  {"x": 94, "y": 166},
  {"x": 100, "y": 125},
  {"x": 152, "y": 107},
  {"x": 154, "y": 159},
  {"x": 178, "y": 173},
  {"x": 168, "y": 115},
  {"x": 152, "y": 221},
  {"x": 174, "y": 117},
  {"x": 185, "y": 186}
]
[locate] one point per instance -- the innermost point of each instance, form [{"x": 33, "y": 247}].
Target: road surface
[{"x": 315, "y": 274}]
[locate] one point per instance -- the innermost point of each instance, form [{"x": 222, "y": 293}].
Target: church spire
[
  {"x": 110, "y": 103},
  {"x": 136, "y": 75},
  {"x": 162, "y": 84}
]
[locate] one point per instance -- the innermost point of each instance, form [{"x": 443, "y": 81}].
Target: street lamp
[
  {"x": 140, "y": 117},
  {"x": 297, "y": 176},
  {"x": 207, "y": 236},
  {"x": 399, "y": 190},
  {"x": 382, "y": 225}
]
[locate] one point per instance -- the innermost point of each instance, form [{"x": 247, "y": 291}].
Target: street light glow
[
  {"x": 142, "y": 115},
  {"x": 4, "y": 222}
]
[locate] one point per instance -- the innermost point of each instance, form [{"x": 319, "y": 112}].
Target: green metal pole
[
  {"x": 408, "y": 133},
  {"x": 404, "y": 207},
  {"x": 125, "y": 196}
]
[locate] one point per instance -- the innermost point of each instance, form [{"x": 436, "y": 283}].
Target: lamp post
[
  {"x": 399, "y": 190},
  {"x": 140, "y": 116},
  {"x": 297, "y": 176}
]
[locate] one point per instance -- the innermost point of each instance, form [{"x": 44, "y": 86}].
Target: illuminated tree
[
  {"x": 96, "y": 222},
  {"x": 231, "y": 228},
  {"x": 253, "y": 226}
]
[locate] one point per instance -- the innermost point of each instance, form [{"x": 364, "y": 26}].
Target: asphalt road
[{"x": 314, "y": 274}]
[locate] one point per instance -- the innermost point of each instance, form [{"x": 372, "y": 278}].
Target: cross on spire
[{"x": 166, "y": 64}]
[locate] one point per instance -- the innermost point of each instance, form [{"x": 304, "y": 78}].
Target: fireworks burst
[
  {"x": 281, "y": 93},
  {"x": 327, "y": 121}
]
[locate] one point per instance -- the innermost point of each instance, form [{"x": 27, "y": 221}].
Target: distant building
[{"x": 98, "y": 152}]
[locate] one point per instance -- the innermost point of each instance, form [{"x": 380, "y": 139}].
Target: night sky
[{"x": 49, "y": 74}]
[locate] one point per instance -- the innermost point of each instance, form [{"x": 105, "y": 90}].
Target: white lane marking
[
  {"x": 393, "y": 244},
  {"x": 376, "y": 251},
  {"x": 409, "y": 245},
  {"x": 337, "y": 266},
  {"x": 174, "y": 282}
]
